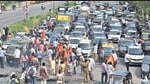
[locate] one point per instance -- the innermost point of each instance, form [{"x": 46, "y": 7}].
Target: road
[{"x": 13, "y": 16}]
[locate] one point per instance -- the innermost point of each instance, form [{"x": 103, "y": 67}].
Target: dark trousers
[
  {"x": 115, "y": 63},
  {"x": 16, "y": 62},
  {"x": 78, "y": 59},
  {"x": 40, "y": 61},
  {"x": 2, "y": 62},
  {"x": 127, "y": 65},
  {"x": 102, "y": 77}
]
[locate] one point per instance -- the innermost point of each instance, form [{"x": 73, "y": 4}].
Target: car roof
[
  {"x": 134, "y": 47},
  {"x": 85, "y": 41},
  {"x": 122, "y": 73},
  {"x": 74, "y": 38}
]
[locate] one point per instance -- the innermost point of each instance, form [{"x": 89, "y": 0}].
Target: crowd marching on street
[{"x": 61, "y": 61}]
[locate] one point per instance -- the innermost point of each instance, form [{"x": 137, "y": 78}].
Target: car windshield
[
  {"x": 66, "y": 23},
  {"x": 107, "y": 49},
  {"x": 126, "y": 43},
  {"x": 58, "y": 30},
  {"x": 135, "y": 51},
  {"x": 74, "y": 41},
  {"x": 80, "y": 29},
  {"x": 116, "y": 27},
  {"x": 99, "y": 35},
  {"x": 145, "y": 35},
  {"x": 131, "y": 33},
  {"x": 114, "y": 33},
  {"x": 10, "y": 50},
  {"x": 85, "y": 46},
  {"x": 11, "y": 42},
  {"x": 131, "y": 25},
  {"x": 76, "y": 34},
  {"x": 97, "y": 29}
]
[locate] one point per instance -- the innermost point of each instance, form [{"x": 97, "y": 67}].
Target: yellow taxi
[
  {"x": 108, "y": 48},
  {"x": 145, "y": 35}
]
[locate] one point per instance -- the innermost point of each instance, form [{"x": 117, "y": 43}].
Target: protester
[
  {"x": 79, "y": 54},
  {"x": 32, "y": 74},
  {"x": 13, "y": 79},
  {"x": 95, "y": 52},
  {"x": 17, "y": 57},
  {"x": 145, "y": 80},
  {"x": 85, "y": 65},
  {"x": 104, "y": 72},
  {"x": 127, "y": 60},
  {"x": 23, "y": 61},
  {"x": 39, "y": 55},
  {"x": 91, "y": 68},
  {"x": 101, "y": 54},
  {"x": 2, "y": 57},
  {"x": 60, "y": 77},
  {"x": 43, "y": 73}
]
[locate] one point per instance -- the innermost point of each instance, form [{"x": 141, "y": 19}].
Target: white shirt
[
  {"x": 110, "y": 69},
  {"x": 115, "y": 57},
  {"x": 17, "y": 53},
  {"x": 95, "y": 49},
  {"x": 50, "y": 52},
  {"x": 32, "y": 50},
  {"x": 55, "y": 43},
  {"x": 92, "y": 63},
  {"x": 89, "y": 66},
  {"x": 126, "y": 58},
  {"x": 3, "y": 31},
  {"x": 79, "y": 51},
  {"x": 44, "y": 21}
]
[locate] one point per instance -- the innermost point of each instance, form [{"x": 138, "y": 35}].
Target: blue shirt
[
  {"x": 2, "y": 53},
  {"x": 39, "y": 54}
]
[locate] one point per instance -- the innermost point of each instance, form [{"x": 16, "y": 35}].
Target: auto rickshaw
[
  {"x": 10, "y": 53},
  {"x": 120, "y": 77}
]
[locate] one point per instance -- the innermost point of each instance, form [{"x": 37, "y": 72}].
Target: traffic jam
[{"x": 108, "y": 32}]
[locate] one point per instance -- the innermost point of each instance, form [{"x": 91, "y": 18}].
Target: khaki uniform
[{"x": 85, "y": 71}]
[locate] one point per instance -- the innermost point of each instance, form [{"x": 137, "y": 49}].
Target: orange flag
[
  {"x": 70, "y": 51},
  {"x": 110, "y": 59},
  {"x": 43, "y": 34}
]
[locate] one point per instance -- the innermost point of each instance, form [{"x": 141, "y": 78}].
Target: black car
[
  {"x": 124, "y": 43},
  {"x": 145, "y": 67},
  {"x": 146, "y": 47}
]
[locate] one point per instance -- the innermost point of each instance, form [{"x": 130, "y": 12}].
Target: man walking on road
[
  {"x": 126, "y": 60},
  {"x": 104, "y": 72},
  {"x": 85, "y": 65},
  {"x": 2, "y": 57},
  {"x": 17, "y": 57}
]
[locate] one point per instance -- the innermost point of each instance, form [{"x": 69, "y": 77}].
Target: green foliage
[{"x": 145, "y": 5}]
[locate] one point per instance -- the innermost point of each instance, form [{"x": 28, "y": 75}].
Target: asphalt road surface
[{"x": 13, "y": 16}]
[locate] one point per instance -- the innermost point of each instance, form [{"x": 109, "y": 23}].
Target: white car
[
  {"x": 86, "y": 46},
  {"x": 114, "y": 35},
  {"x": 73, "y": 41},
  {"x": 135, "y": 54}
]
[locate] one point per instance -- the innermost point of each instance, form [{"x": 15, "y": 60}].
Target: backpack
[
  {"x": 31, "y": 72},
  {"x": 13, "y": 82}
]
